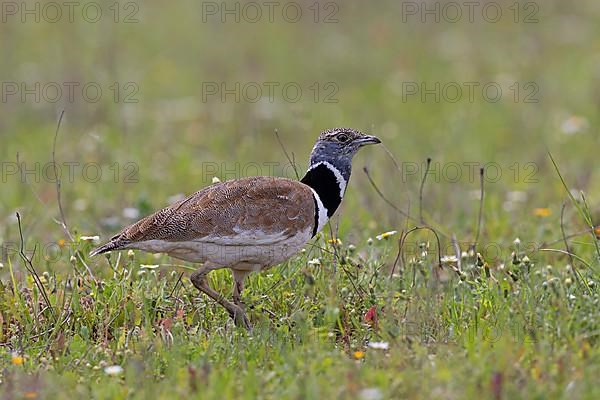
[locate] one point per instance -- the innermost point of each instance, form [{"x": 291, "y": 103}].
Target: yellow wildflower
[
  {"x": 385, "y": 235},
  {"x": 542, "y": 212},
  {"x": 359, "y": 354},
  {"x": 536, "y": 373},
  {"x": 17, "y": 359}
]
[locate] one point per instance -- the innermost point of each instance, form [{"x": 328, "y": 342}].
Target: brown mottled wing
[{"x": 248, "y": 210}]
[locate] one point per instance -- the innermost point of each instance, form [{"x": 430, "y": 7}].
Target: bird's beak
[{"x": 368, "y": 139}]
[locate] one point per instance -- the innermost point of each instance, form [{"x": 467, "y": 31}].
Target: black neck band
[{"x": 323, "y": 181}]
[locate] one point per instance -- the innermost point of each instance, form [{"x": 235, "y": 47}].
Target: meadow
[{"x": 463, "y": 263}]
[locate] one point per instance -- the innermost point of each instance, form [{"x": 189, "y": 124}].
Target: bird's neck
[{"x": 329, "y": 183}]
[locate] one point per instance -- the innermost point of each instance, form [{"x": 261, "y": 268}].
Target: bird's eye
[{"x": 343, "y": 138}]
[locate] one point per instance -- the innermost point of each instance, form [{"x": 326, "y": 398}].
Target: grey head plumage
[{"x": 337, "y": 146}]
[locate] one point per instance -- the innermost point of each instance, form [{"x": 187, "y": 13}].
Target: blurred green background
[
  {"x": 154, "y": 63},
  {"x": 516, "y": 323}
]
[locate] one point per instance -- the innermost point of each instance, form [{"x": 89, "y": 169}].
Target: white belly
[{"x": 229, "y": 255}]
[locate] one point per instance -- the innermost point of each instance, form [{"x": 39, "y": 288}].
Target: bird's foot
[{"x": 240, "y": 318}]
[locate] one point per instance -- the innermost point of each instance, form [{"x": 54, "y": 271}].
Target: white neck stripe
[{"x": 321, "y": 211}]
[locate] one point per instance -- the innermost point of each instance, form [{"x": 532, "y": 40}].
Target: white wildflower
[
  {"x": 449, "y": 259},
  {"x": 94, "y": 239},
  {"x": 370, "y": 394},
  {"x": 113, "y": 370},
  {"x": 574, "y": 124},
  {"x": 131, "y": 212},
  {"x": 80, "y": 204},
  {"x": 516, "y": 196},
  {"x": 385, "y": 235},
  {"x": 379, "y": 345},
  {"x": 149, "y": 266}
]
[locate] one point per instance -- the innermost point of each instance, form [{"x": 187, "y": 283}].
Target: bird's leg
[
  {"x": 198, "y": 279},
  {"x": 238, "y": 285}
]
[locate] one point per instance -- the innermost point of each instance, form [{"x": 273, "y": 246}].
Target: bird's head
[
  {"x": 342, "y": 142},
  {"x": 337, "y": 146}
]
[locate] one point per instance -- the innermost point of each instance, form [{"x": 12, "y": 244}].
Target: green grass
[
  {"x": 520, "y": 322},
  {"x": 532, "y": 329}
]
